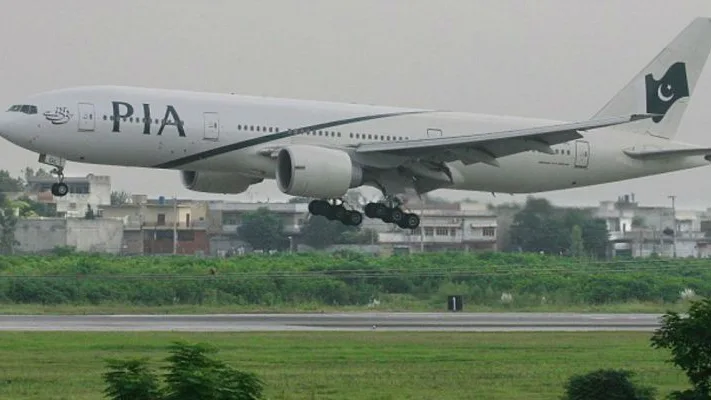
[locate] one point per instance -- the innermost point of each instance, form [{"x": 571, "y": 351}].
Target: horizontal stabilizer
[{"x": 669, "y": 153}]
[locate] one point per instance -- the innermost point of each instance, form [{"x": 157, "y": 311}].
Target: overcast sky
[{"x": 559, "y": 59}]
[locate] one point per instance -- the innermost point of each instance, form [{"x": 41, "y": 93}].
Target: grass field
[
  {"x": 398, "y": 306},
  {"x": 330, "y": 365}
]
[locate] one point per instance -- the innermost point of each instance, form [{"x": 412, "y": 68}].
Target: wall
[
  {"x": 99, "y": 235},
  {"x": 42, "y": 235}
]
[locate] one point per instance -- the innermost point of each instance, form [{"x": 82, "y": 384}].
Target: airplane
[{"x": 224, "y": 143}]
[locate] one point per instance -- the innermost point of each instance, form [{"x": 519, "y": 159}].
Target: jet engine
[
  {"x": 217, "y": 182},
  {"x": 320, "y": 172}
]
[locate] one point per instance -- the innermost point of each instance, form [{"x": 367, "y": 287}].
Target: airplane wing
[
  {"x": 668, "y": 153},
  {"x": 487, "y": 147}
]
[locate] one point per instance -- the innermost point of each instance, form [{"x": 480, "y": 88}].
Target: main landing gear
[
  {"x": 59, "y": 189},
  {"x": 392, "y": 214},
  {"x": 333, "y": 211},
  {"x": 389, "y": 212}
]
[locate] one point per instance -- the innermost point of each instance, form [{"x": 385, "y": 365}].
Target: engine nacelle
[
  {"x": 217, "y": 182},
  {"x": 320, "y": 172}
]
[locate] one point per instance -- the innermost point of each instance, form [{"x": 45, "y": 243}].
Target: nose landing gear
[{"x": 59, "y": 189}]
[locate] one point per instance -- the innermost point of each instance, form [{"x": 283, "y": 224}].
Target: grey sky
[{"x": 558, "y": 59}]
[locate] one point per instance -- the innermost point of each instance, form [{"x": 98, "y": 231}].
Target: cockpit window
[{"x": 23, "y": 108}]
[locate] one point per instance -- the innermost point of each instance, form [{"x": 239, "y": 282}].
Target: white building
[
  {"x": 93, "y": 190},
  {"x": 464, "y": 226}
]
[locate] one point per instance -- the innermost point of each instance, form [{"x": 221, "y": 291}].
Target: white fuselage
[{"x": 223, "y": 132}]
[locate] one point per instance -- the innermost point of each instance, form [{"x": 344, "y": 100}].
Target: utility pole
[
  {"x": 175, "y": 225},
  {"x": 673, "y": 199},
  {"x": 422, "y": 228}
]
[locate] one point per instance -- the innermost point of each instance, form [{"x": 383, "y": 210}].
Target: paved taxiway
[{"x": 334, "y": 322}]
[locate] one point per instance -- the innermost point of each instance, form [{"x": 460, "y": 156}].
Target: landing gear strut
[
  {"x": 333, "y": 211},
  {"x": 59, "y": 189}
]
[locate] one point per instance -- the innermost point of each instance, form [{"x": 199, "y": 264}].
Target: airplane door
[
  {"x": 211, "y": 122},
  {"x": 433, "y": 133},
  {"x": 87, "y": 122},
  {"x": 582, "y": 154}
]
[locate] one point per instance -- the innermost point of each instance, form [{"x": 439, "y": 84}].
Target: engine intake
[{"x": 319, "y": 172}]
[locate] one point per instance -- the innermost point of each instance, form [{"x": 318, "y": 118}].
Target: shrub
[
  {"x": 606, "y": 384},
  {"x": 191, "y": 374}
]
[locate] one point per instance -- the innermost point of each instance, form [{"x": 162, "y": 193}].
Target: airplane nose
[
  {"x": 4, "y": 124},
  {"x": 8, "y": 127}
]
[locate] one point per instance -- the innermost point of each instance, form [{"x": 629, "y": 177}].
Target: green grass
[
  {"x": 331, "y": 365},
  {"x": 399, "y": 306}
]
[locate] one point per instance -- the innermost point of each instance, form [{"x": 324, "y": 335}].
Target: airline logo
[
  {"x": 662, "y": 93},
  {"x": 59, "y": 116}
]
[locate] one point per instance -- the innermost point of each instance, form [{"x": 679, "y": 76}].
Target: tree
[
  {"x": 193, "y": 375},
  {"x": 606, "y": 384},
  {"x": 31, "y": 208},
  {"x": 535, "y": 228},
  {"x": 130, "y": 380},
  {"x": 319, "y": 232},
  {"x": 539, "y": 226},
  {"x": 119, "y": 198},
  {"x": 190, "y": 374},
  {"x": 577, "y": 248},
  {"x": 262, "y": 229},
  {"x": 596, "y": 237},
  {"x": 8, "y": 223},
  {"x": 8, "y": 184},
  {"x": 31, "y": 173},
  {"x": 689, "y": 340}
]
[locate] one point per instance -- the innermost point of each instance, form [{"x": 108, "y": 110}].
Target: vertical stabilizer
[{"x": 666, "y": 84}]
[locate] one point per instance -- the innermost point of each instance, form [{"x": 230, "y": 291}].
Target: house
[
  {"x": 161, "y": 226},
  {"x": 462, "y": 226}
]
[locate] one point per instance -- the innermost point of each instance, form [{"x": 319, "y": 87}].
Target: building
[
  {"x": 40, "y": 235},
  {"x": 463, "y": 226},
  {"x": 150, "y": 226},
  {"x": 91, "y": 190},
  {"x": 641, "y": 231},
  {"x": 225, "y": 218}
]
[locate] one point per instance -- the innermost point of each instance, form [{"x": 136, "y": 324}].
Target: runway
[{"x": 482, "y": 322}]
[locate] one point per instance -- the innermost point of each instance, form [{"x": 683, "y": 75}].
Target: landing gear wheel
[
  {"x": 396, "y": 215},
  {"x": 59, "y": 189},
  {"x": 318, "y": 207},
  {"x": 411, "y": 221},
  {"x": 381, "y": 211},
  {"x": 371, "y": 210},
  {"x": 340, "y": 213},
  {"x": 353, "y": 218}
]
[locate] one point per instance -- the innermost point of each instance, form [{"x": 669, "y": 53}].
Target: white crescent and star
[{"x": 661, "y": 95}]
